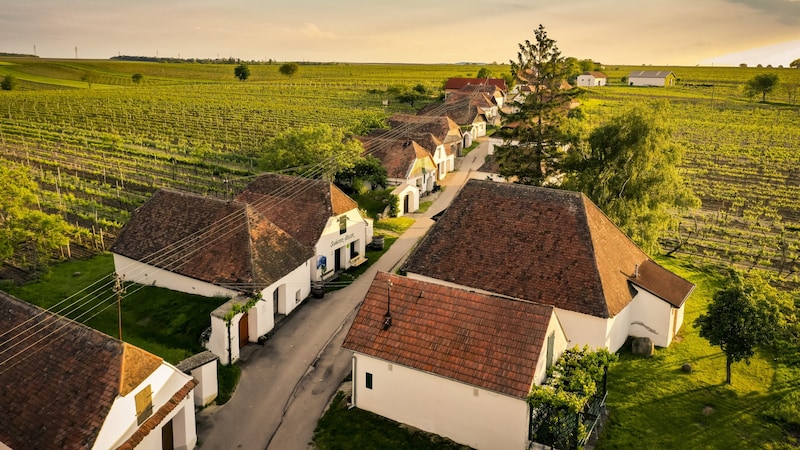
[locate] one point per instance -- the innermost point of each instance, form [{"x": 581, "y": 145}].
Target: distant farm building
[
  {"x": 651, "y": 78},
  {"x": 592, "y": 79}
]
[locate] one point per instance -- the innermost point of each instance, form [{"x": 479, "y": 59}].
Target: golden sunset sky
[{"x": 658, "y": 32}]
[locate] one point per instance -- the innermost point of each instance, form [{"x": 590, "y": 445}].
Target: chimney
[
  {"x": 387, "y": 319},
  {"x": 636, "y": 271}
]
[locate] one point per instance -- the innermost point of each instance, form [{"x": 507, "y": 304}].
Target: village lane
[{"x": 286, "y": 383}]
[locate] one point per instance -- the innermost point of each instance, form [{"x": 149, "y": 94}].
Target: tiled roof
[
  {"x": 458, "y": 83},
  {"x": 396, "y": 155},
  {"x": 440, "y": 126},
  {"x": 595, "y": 74},
  {"x": 484, "y": 341},
  {"x": 461, "y": 111},
  {"x": 650, "y": 74},
  {"x": 209, "y": 239},
  {"x": 57, "y": 392},
  {"x": 660, "y": 281},
  {"x": 156, "y": 419},
  {"x": 544, "y": 245},
  {"x": 299, "y": 206}
]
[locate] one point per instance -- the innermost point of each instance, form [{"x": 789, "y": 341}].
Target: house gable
[
  {"x": 402, "y": 158},
  {"x": 480, "y": 340},
  {"x": 62, "y": 391},
  {"x": 543, "y": 245}
]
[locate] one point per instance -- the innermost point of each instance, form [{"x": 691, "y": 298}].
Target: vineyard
[{"x": 100, "y": 144}]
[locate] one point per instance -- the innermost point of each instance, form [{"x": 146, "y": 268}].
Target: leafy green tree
[
  {"x": 242, "y": 71},
  {"x": 761, "y": 84},
  {"x": 289, "y": 69},
  {"x": 88, "y": 78},
  {"x": 318, "y": 150},
  {"x": 628, "y": 168},
  {"x": 532, "y": 133},
  {"x": 137, "y": 78},
  {"x": 368, "y": 169},
  {"x": 743, "y": 316},
  {"x": 9, "y": 83},
  {"x": 484, "y": 73},
  {"x": 795, "y": 64}
]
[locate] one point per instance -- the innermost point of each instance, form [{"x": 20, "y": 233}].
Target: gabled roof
[
  {"x": 57, "y": 389},
  {"x": 398, "y": 156},
  {"x": 440, "y": 126},
  {"x": 484, "y": 341},
  {"x": 299, "y": 206},
  {"x": 595, "y": 74},
  {"x": 650, "y": 74},
  {"x": 461, "y": 111},
  {"x": 209, "y": 239},
  {"x": 458, "y": 83},
  {"x": 544, "y": 245}
]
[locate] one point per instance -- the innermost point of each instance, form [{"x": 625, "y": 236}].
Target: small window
[
  {"x": 369, "y": 380},
  {"x": 343, "y": 225},
  {"x": 551, "y": 344}
]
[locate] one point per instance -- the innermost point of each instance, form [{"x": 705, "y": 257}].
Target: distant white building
[
  {"x": 651, "y": 78},
  {"x": 592, "y": 79}
]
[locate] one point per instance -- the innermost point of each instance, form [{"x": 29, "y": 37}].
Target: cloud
[
  {"x": 787, "y": 11},
  {"x": 312, "y": 31}
]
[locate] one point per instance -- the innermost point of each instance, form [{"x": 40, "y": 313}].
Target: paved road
[{"x": 287, "y": 382}]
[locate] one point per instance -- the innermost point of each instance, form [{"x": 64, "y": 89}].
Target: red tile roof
[
  {"x": 458, "y": 83},
  {"x": 461, "y": 111},
  {"x": 442, "y": 127},
  {"x": 544, "y": 245},
  {"x": 398, "y": 156},
  {"x": 299, "y": 206},
  {"x": 210, "y": 239},
  {"x": 57, "y": 392},
  {"x": 484, "y": 341}
]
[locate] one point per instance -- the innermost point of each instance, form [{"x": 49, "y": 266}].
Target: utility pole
[{"x": 119, "y": 289}]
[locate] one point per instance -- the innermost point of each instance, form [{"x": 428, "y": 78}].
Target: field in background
[{"x": 100, "y": 144}]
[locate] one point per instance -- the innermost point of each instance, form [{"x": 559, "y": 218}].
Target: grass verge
[
  {"x": 228, "y": 378},
  {"x": 343, "y": 428}
]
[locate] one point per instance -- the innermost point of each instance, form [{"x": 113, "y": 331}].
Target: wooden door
[{"x": 244, "y": 332}]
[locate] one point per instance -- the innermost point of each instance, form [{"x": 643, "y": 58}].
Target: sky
[{"x": 657, "y": 32}]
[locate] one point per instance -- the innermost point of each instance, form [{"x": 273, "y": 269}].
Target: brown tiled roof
[
  {"x": 299, "y": 206},
  {"x": 650, "y": 74},
  {"x": 209, "y": 239},
  {"x": 440, "y": 126},
  {"x": 544, "y": 245},
  {"x": 462, "y": 111},
  {"x": 396, "y": 155},
  {"x": 484, "y": 341},
  {"x": 56, "y": 393},
  {"x": 595, "y": 74},
  {"x": 156, "y": 419},
  {"x": 663, "y": 283},
  {"x": 458, "y": 83}
]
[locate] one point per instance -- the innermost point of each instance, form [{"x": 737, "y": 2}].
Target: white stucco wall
[
  {"x": 641, "y": 81},
  {"x": 220, "y": 340},
  {"x": 359, "y": 230},
  {"x": 590, "y": 81},
  {"x": 651, "y": 317},
  {"x": 137, "y": 272},
  {"x": 583, "y": 329},
  {"x": 120, "y": 422},
  {"x": 413, "y": 200},
  {"x": 207, "y": 387},
  {"x": 466, "y": 414},
  {"x": 560, "y": 345}
]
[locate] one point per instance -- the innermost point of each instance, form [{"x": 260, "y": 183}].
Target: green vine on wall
[{"x": 237, "y": 308}]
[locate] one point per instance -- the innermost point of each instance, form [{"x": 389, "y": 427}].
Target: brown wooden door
[
  {"x": 167, "y": 438},
  {"x": 244, "y": 331}
]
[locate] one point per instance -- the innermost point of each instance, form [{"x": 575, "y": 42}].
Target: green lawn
[
  {"x": 653, "y": 404},
  {"x": 163, "y": 322}
]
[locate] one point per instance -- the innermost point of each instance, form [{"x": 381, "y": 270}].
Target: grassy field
[{"x": 163, "y": 322}]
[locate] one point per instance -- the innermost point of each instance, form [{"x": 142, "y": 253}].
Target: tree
[
  {"x": 533, "y": 140},
  {"x": 484, "y": 73},
  {"x": 795, "y": 64},
  {"x": 9, "y": 83},
  {"x": 628, "y": 167},
  {"x": 242, "y": 71},
  {"x": 318, "y": 150},
  {"x": 367, "y": 169},
  {"x": 742, "y": 317},
  {"x": 88, "y": 78},
  {"x": 761, "y": 84},
  {"x": 289, "y": 69},
  {"x": 137, "y": 78}
]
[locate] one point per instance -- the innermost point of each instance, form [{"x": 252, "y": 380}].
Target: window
[
  {"x": 551, "y": 343},
  {"x": 343, "y": 225},
  {"x": 369, "y": 380},
  {"x": 144, "y": 404}
]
